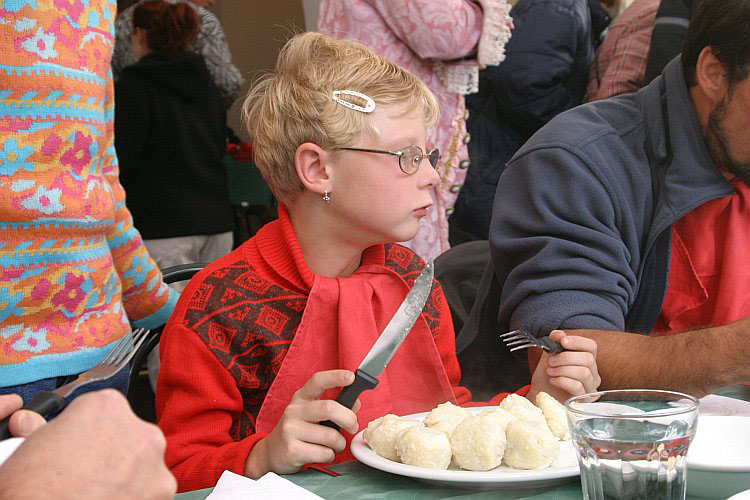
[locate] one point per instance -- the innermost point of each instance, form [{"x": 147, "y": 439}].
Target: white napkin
[
  {"x": 232, "y": 486},
  {"x": 724, "y": 406},
  {"x": 8, "y": 446}
]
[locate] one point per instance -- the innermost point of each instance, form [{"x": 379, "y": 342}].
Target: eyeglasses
[{"x": 409, "y": 158}]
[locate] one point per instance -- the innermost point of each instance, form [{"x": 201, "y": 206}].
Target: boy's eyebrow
[{"x": 404, "y": 142}]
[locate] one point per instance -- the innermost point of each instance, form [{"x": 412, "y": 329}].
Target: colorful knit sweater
[{"x": 73, "y": 270}]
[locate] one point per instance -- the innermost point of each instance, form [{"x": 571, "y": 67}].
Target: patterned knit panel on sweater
[
  {"x": 73, "y": 269},
  {"x": 248, "y": 323}
]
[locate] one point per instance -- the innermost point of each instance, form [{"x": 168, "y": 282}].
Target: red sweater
[{"x": 227, "y": 338}]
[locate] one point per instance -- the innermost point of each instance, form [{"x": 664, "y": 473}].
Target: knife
[{"x": 389, "y": 341}]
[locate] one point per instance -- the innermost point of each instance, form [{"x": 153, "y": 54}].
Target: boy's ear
[
  {"x": 711, "y": 75},
  {"x": 311, "y": 163}
]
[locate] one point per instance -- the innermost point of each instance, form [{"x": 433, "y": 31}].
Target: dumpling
[
  {"x": 424, "y": 447},
  {"x": 478, "y": 443},
  {"x": 382, "y": 432},
  {"x": 501, "y": 417},
  {"x": 554, "y": 413},
  {"x": 529, "y": 445},
  {"x": 445, "y": 417},
  {"x": 522, "y": 409}
]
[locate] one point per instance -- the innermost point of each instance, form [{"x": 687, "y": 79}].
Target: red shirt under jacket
[
  {"x": 230, "y": 334},
  {"x": 709, "y": 275}
]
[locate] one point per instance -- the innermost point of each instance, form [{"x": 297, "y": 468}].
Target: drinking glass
[{"x": 632, "y": 443}]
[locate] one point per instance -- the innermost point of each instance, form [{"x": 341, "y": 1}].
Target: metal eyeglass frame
[{"x": 433, "y": 156}]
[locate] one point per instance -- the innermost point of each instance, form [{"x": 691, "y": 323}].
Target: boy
[{"x": 271, "y": 331}]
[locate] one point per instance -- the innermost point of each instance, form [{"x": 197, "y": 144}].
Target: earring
[{"x": 326, "y": 198}]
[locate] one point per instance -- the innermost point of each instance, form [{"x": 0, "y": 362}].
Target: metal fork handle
[
  {"x": 82, "y": 379},
  {"x": 44, "y": 403}
]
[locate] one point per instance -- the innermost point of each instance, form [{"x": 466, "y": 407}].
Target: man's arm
[{"x": 696, "y": 362}]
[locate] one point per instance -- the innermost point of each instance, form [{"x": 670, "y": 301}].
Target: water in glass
[{"x": 637, "y": 456}]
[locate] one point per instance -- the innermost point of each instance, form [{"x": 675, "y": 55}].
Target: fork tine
[
  {"x": 116, "y": 349},
  {"x": 525, "y": 346},
  {"x": 129, "y": 347},
  {"x": 518, "y": 342},
  {"x": 118, "y": 357},
  {"x": 139, "y": 338},
  {"x": 515, "y": 337},
  {"x": 514, "y": 333}
]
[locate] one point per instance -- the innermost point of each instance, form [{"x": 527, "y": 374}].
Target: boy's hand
[
  {"x": 569, "y": 373},
  {"x": 299, "y": 439}
]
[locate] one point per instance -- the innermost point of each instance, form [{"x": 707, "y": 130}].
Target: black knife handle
[
  {"x": 350, "y": 393},
  {"x": 44, "y": 403}
]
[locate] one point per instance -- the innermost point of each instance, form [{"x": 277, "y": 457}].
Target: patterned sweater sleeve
[
  {"x": 212, "y": 45},
  {"x": 148, "y": 301},
  {"x": 197, "y": 402},
  {"x": 122, "y": 54},
  {"x": 434, "y": 29}
]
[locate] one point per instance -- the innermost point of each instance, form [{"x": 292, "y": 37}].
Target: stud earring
[{"x": 326, "y": 198}]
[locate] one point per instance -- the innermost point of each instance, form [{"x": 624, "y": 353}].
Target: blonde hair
[{"x": 293, "y": 104}]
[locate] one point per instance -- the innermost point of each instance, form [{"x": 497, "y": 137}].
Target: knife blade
[{"x": 389, "y": 341}]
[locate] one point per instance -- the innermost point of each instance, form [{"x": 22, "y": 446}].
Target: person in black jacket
[
  {"x": 170, "y": 128},
  {"x": 544, "y": 73}
]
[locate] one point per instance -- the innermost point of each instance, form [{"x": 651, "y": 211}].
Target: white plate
[
  {"x": 718, "y": 458},
  {"x": 8, "y": 447},
  {"x": 563, "y": 470}
]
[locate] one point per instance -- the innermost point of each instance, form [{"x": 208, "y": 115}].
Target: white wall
[{"x": 256, "y": 30}]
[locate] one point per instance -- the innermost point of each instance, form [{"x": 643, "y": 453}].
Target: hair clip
[{"x": 369, "y": 108}]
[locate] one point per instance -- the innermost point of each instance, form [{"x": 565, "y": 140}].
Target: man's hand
[
  {"x": 96, "y": 448},
  {"x": 569, "y": 373},
  {"x": 22, "y": 422},
  {"x": 299, "y": 439}
]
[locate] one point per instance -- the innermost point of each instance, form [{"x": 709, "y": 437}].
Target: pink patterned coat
[{"x": 421, "y": 36}]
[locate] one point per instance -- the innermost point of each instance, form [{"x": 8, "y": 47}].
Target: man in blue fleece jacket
[{"x": 581, "y": 234}]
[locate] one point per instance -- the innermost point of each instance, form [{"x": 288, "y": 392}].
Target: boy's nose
[{"x": 428, "y": 174}]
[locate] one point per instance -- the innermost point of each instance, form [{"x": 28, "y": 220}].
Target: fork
[
  {"x": 522, "y": 339},
  {"x": 45, "y": 402}
]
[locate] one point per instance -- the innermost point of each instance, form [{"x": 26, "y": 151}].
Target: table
[{"x": 360, "y": 481}]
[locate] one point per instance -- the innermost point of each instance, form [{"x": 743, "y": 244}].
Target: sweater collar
[{"x": 279, "y": 248}]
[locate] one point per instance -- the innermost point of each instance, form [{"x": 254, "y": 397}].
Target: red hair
[{"x": 168, "y": 26}]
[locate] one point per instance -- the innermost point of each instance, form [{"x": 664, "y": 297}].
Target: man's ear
[
  {"x": 313, "y": 169},
  {"x": 711, "y": 75}
]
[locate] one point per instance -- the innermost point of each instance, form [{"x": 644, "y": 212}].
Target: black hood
[{"x": 183, "y": 73}]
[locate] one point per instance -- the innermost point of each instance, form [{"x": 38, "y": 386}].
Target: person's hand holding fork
[
  {"x": 569, "y": 373},
  {"x": 96, "y": 448}
]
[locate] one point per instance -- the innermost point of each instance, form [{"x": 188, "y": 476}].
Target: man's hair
[
  {"x": 723, "y": 25},
  {"x": 294, "y": 103},
  {"x": 168, "y": 26}
]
